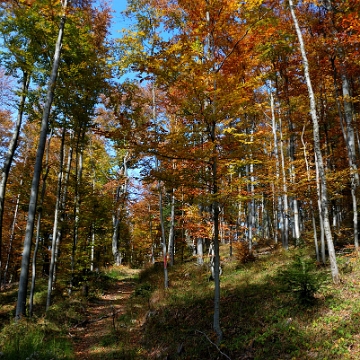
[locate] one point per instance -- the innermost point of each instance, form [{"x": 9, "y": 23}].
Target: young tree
[{"x": 23, "y": 283}]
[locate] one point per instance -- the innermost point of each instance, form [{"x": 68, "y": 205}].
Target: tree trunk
[
  {"x": 350, "y": 145},
  {"x": 172, "y": 230},
  {"x": 56, "y": 221},
  {"x": 64, "y": 181},
  {"x": 163, "y": 241},
  {"x": 310, "y": 197},
  {"x": 120, "y": 198},
  {"x": 12, "y": 236},
  {"x": 215, "y": 209},
  {"x": 317, "y": 148},
  {"x": 9, "y": 156},
  {"x": 76, "y": 211},
  {"x": 24, "y": 274},
  {"x": 321, "y": 217},
  {"x": 33, "y": 274},
  {"x": 349, "y": 137},
  {"x": 200, "y": 251},
  {"x": 285, "y": 202},
  {"x": 38, "y": 227},
  {"x": 276, "y": 204}
]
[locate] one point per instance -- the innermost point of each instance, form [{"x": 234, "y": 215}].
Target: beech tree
[
  {"x": 319, "y": 158},
  {"x": 22, "y": 294}
]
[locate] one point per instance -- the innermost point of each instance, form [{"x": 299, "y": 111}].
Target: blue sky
[{"x": 118, "y": 21}]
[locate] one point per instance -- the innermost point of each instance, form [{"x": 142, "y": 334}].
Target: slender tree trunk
[
  {"x": 153, "y": 246},
  {"x": 56, "y": 221},
  {"x": 65, "y": 182},
  {"x": 24, "y": 274},
  {"x": 310, "y": 197},
  {"x": 163, "y": 241},
  {"x": 12, "y": 236},
  {"x": 9, "y": 156},
  {"x": 277, "y": 167},
  {"x": 285, "y": 202},
  {"x": 77, "y": 198},
  {"x": 215, "y": 209},
  {"x": 120, "y": 198},
  {"x": 116, "y": 233},
  {"x": 38, "y": 227},
  {"x": 33, "y": 274},
  {"x": 321, "y": 215},
  {"x": 172, "y": 230},
  {"x": 317, "y": 148},
  {"x": 159, "y": 188},
  {"x": 93, "y": 225},
  {"x": 350, "y": 144},
  {"x": 200, "y": 251},
  {"x": 349, "y": 137}
]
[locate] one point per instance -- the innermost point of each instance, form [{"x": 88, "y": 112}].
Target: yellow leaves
[{"x": 250, "y": 4}]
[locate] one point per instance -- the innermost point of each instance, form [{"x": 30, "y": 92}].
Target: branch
[
  {"x": 88, "y": 321},
  {"x": 242, "y": 38},
  {"x": 208, "y": 339}
]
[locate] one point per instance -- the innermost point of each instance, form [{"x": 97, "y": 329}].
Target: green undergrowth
[
  {"x": 260, "y": 317},
  {"x": 45, "y": 335}
]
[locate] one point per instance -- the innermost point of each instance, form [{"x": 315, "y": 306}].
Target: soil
[{"x": 100, "y": 321}]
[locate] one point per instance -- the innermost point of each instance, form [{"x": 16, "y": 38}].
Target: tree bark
[
  {"x": 24, "y": 274},
  {"x": 12, "y": 236},
  {"x": 9, "y": 156},
  {"x": 65, "y": 182},
  {"x": 349, "y": 138},
  {"x": 276, "y": 204},
  {"x": 38, "y": 227},
  {"x": 285, "y": 202},
  {"x": 310, "y": 197},
  {"x": 56, "y": 221},
  {"x": 317, "y": 148},
  {"x": 171, "y": 247},
  {"x": 77, "y": 201},
  {"x": 120, "y": 198}
]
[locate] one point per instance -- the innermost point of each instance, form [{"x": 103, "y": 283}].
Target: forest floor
[
  {"x": 92, "y": 335},
  {"x": 127, "y": 314}
]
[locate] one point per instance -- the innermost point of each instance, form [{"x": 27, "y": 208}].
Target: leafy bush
[
  {"x": 242, "y": 252},
  {"x": 302, "y": 279},
  {"x": 143, "y": 290}
]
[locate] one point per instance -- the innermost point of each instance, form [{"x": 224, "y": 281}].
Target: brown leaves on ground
[{"x": 98, "y": 334}]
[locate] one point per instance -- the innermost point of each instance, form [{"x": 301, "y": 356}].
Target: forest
[{"x": 204, "y": 132}]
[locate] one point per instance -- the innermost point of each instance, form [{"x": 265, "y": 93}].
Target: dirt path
[{"x": 92, "y": 335}]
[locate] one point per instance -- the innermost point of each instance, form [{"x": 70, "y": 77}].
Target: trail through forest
[{"x": 92, "y": 335}]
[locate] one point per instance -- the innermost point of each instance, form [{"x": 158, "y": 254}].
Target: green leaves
[{"x": 302, "y": 279}]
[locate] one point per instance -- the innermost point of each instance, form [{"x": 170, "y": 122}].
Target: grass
[
  {"x": 259, "y": 320},
  {"x": 29, "y": 340}
]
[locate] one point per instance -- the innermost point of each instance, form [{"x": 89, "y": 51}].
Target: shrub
[
  {"x": 242, "y": 252},
  {"x": 302, "y": 279}
]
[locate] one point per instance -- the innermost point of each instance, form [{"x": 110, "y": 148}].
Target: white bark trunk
[
  {"x": 277, "y": 204},
  {"x": 285, "y": 202},
  {"x": 171, "y": 245},
  {"x": 317, "y": 148},
  {"x": 350, "y": 144}
]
